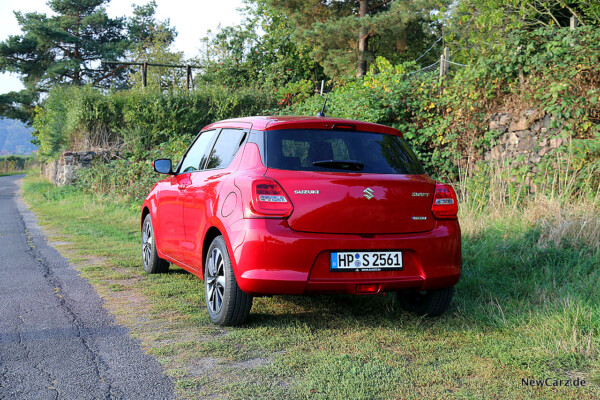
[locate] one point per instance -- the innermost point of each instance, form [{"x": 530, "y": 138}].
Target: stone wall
[
  {"x": 64, "y": 170},
  {"x": 524, "y": 135}
]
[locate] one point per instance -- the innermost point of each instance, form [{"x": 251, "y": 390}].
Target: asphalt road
[{"x": 56, "y": 340}]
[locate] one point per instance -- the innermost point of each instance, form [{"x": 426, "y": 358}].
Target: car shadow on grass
[
  {"x": 177, "y": 271},
  {"x": 332, "y": 312}
]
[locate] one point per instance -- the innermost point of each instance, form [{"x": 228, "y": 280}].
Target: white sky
[{"x": 192, "y": 19}]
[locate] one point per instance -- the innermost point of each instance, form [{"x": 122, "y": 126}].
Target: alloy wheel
[
  {"x": 147, "y": 243},
  {"x": 215, "y": 281}
]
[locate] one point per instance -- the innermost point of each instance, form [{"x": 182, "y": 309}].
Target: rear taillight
[
  {"x": 269, "y": 199},
  {"x": 445, "y": 205}
]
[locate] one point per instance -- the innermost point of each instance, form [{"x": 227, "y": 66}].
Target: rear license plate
[{"x": 366, "y": 261}]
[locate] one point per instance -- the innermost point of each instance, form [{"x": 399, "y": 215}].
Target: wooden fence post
[
  {"x": 188, "y": 73},
  {"x": 444, "y": 64},
  {"x": 442, "y": 69},
  {"x": 573, "y": 22},
  {"x": 144, "y": 73}
]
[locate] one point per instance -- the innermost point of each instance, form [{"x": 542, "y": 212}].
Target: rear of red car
[{"x": 340, "y": 206}]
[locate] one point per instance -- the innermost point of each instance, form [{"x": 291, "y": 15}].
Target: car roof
[{"x": 296, "y": 122}]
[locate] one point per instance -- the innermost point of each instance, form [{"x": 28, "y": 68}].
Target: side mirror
[{"x": 163, "y": 166}]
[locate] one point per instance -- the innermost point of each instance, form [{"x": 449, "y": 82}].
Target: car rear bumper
[{"x": 270, "y": 258}]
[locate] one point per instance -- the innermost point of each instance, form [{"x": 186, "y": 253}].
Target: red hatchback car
[{"x": 296, "y": 205}]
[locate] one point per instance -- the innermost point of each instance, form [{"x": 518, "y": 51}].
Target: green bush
[
  {"x": 151, "y": 118},
  {"x": 133, "y": 177},
  {"x": 389, "y": 95},
  {"x": 136, "y": 121},
  {"x": 94, "y": 118},
  {"x": 50, "y": 123}
]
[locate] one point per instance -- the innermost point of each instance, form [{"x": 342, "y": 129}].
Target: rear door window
[
  {"x": 340, "y": 151},
  {"x": 227, "y": 145},
  {"x": 195, "y": 156}
]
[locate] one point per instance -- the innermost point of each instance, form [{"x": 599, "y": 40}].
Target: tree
[
  {"x": 258, "y": 52},
  {"x": 17, "y": 105},
  {"x": 62, "y": 49},
  {"x": 155, "y": 49},
  {"x": 67, "y": 48},
  {"x": 150, "y": 42},
  {"x": 345, "y": 35},
  {"x": 145, "y": 31}
]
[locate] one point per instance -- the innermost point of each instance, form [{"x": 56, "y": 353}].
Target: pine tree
[
  {"x": 144, "y": 30},
  {"x": 67, "y": 48},
  {"x": 345, "y": 35}
]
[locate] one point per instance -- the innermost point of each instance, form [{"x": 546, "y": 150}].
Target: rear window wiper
[{"x": 350, "y": 165}]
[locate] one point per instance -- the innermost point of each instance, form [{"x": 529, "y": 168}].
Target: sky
[{"x": 192, "y": 19}]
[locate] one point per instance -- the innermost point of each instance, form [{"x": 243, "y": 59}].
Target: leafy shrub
[
  {"x": 131, "y": 178},
  {"x": 50, "y": 123},
  {"x": 553, "y": 69},
  {"x": 82, "y": 117},
  {"x": 151, "y": 118},
  {"x": 386, "y": 95},
  {"x": 93, "y": 117}
]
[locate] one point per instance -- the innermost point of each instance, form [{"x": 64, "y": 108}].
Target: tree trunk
[
  {"x": 363, "y": 41},
  {"x": 77, "y": 77}
]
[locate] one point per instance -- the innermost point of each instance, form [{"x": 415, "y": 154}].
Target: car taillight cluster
[
  {"x": 445, "y": 205},
  {"x": 269, "y": 199}
]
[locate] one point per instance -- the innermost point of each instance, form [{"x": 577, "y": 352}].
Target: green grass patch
[{"x": 525, "y": 308}]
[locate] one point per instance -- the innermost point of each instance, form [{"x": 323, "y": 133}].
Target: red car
[{"x": 297, "y": 205}]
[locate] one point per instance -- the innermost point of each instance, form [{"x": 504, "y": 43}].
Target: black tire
[
  {"x": 150, "y": 260},
  {"x": 226, "y": 303},
  {"x": 429, "y": 302}
]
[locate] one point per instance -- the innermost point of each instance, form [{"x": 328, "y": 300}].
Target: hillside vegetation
[{"x": 15, "y": 138}]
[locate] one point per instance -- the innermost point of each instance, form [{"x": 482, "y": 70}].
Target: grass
[{"x": 527, "y": 307}]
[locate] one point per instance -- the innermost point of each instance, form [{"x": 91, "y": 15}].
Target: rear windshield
[{"x": 340, "y": 151}]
